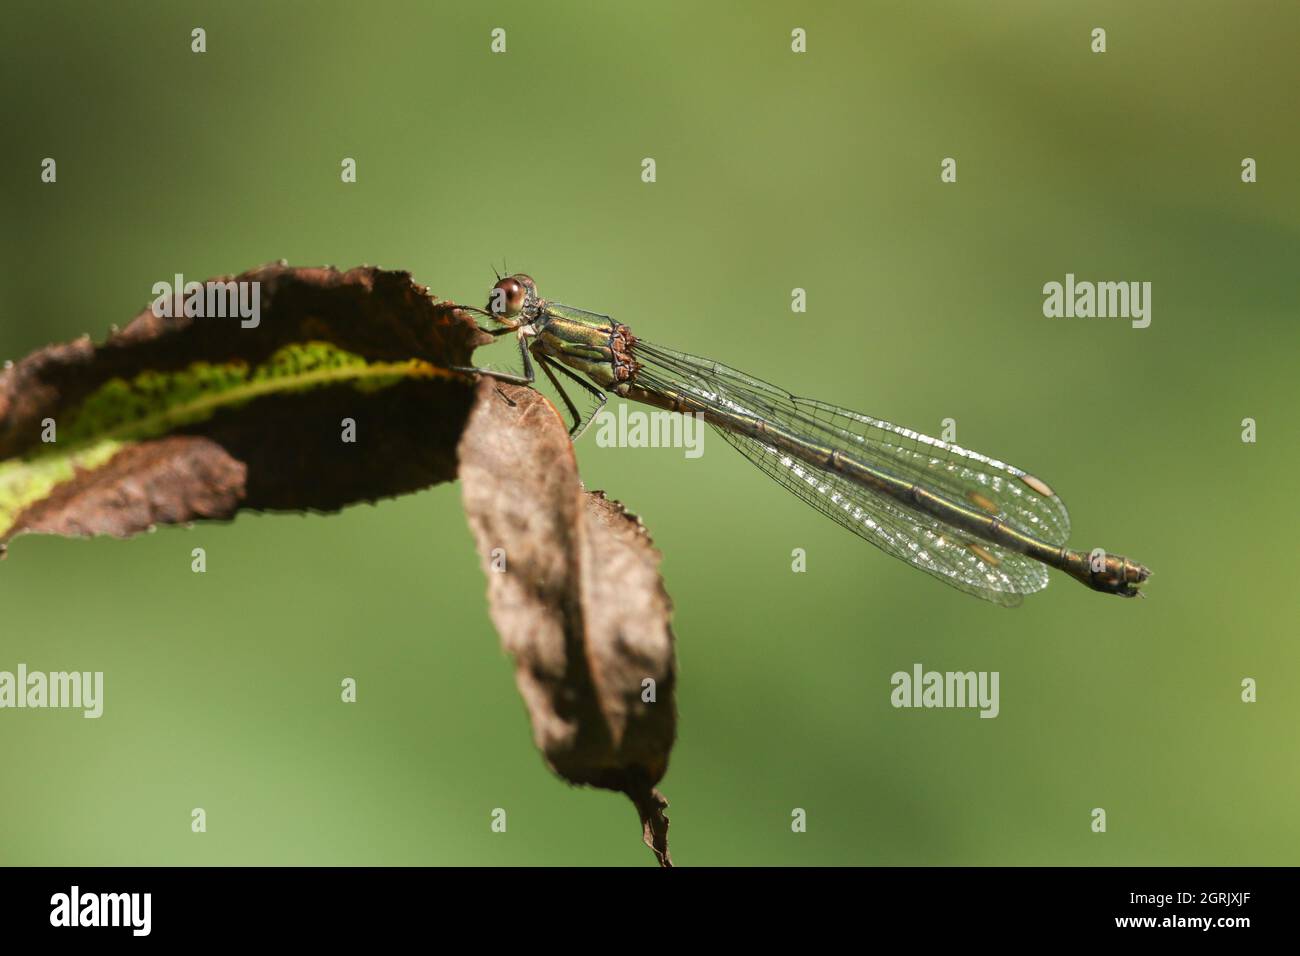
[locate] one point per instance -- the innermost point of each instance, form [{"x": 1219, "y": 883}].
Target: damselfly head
[{"x": 513, "y": 297}]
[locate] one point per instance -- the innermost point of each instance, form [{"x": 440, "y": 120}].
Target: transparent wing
[
  {"x": 974, "y": 566},
  {"x": 1018, "y": 498}
]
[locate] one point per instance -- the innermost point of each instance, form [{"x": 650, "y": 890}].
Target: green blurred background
[{"x": 775, "y": 171}]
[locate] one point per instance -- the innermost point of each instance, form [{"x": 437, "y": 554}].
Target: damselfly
[{"x": 975, "y": 523}]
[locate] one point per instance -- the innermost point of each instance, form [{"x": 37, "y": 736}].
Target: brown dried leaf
[
  {"x": 279, "y": 451},
  {"x": 579, "y": 604}
]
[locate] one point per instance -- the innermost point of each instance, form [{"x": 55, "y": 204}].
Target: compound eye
[{"x": 507, "y": 298}]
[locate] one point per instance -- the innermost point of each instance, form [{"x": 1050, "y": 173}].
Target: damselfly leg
[
  {"x": 580, "y": 424},
  {"x": 527, "y": 378}
]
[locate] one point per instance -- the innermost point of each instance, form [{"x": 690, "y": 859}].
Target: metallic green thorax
[{"x": 599, "y": 348}]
